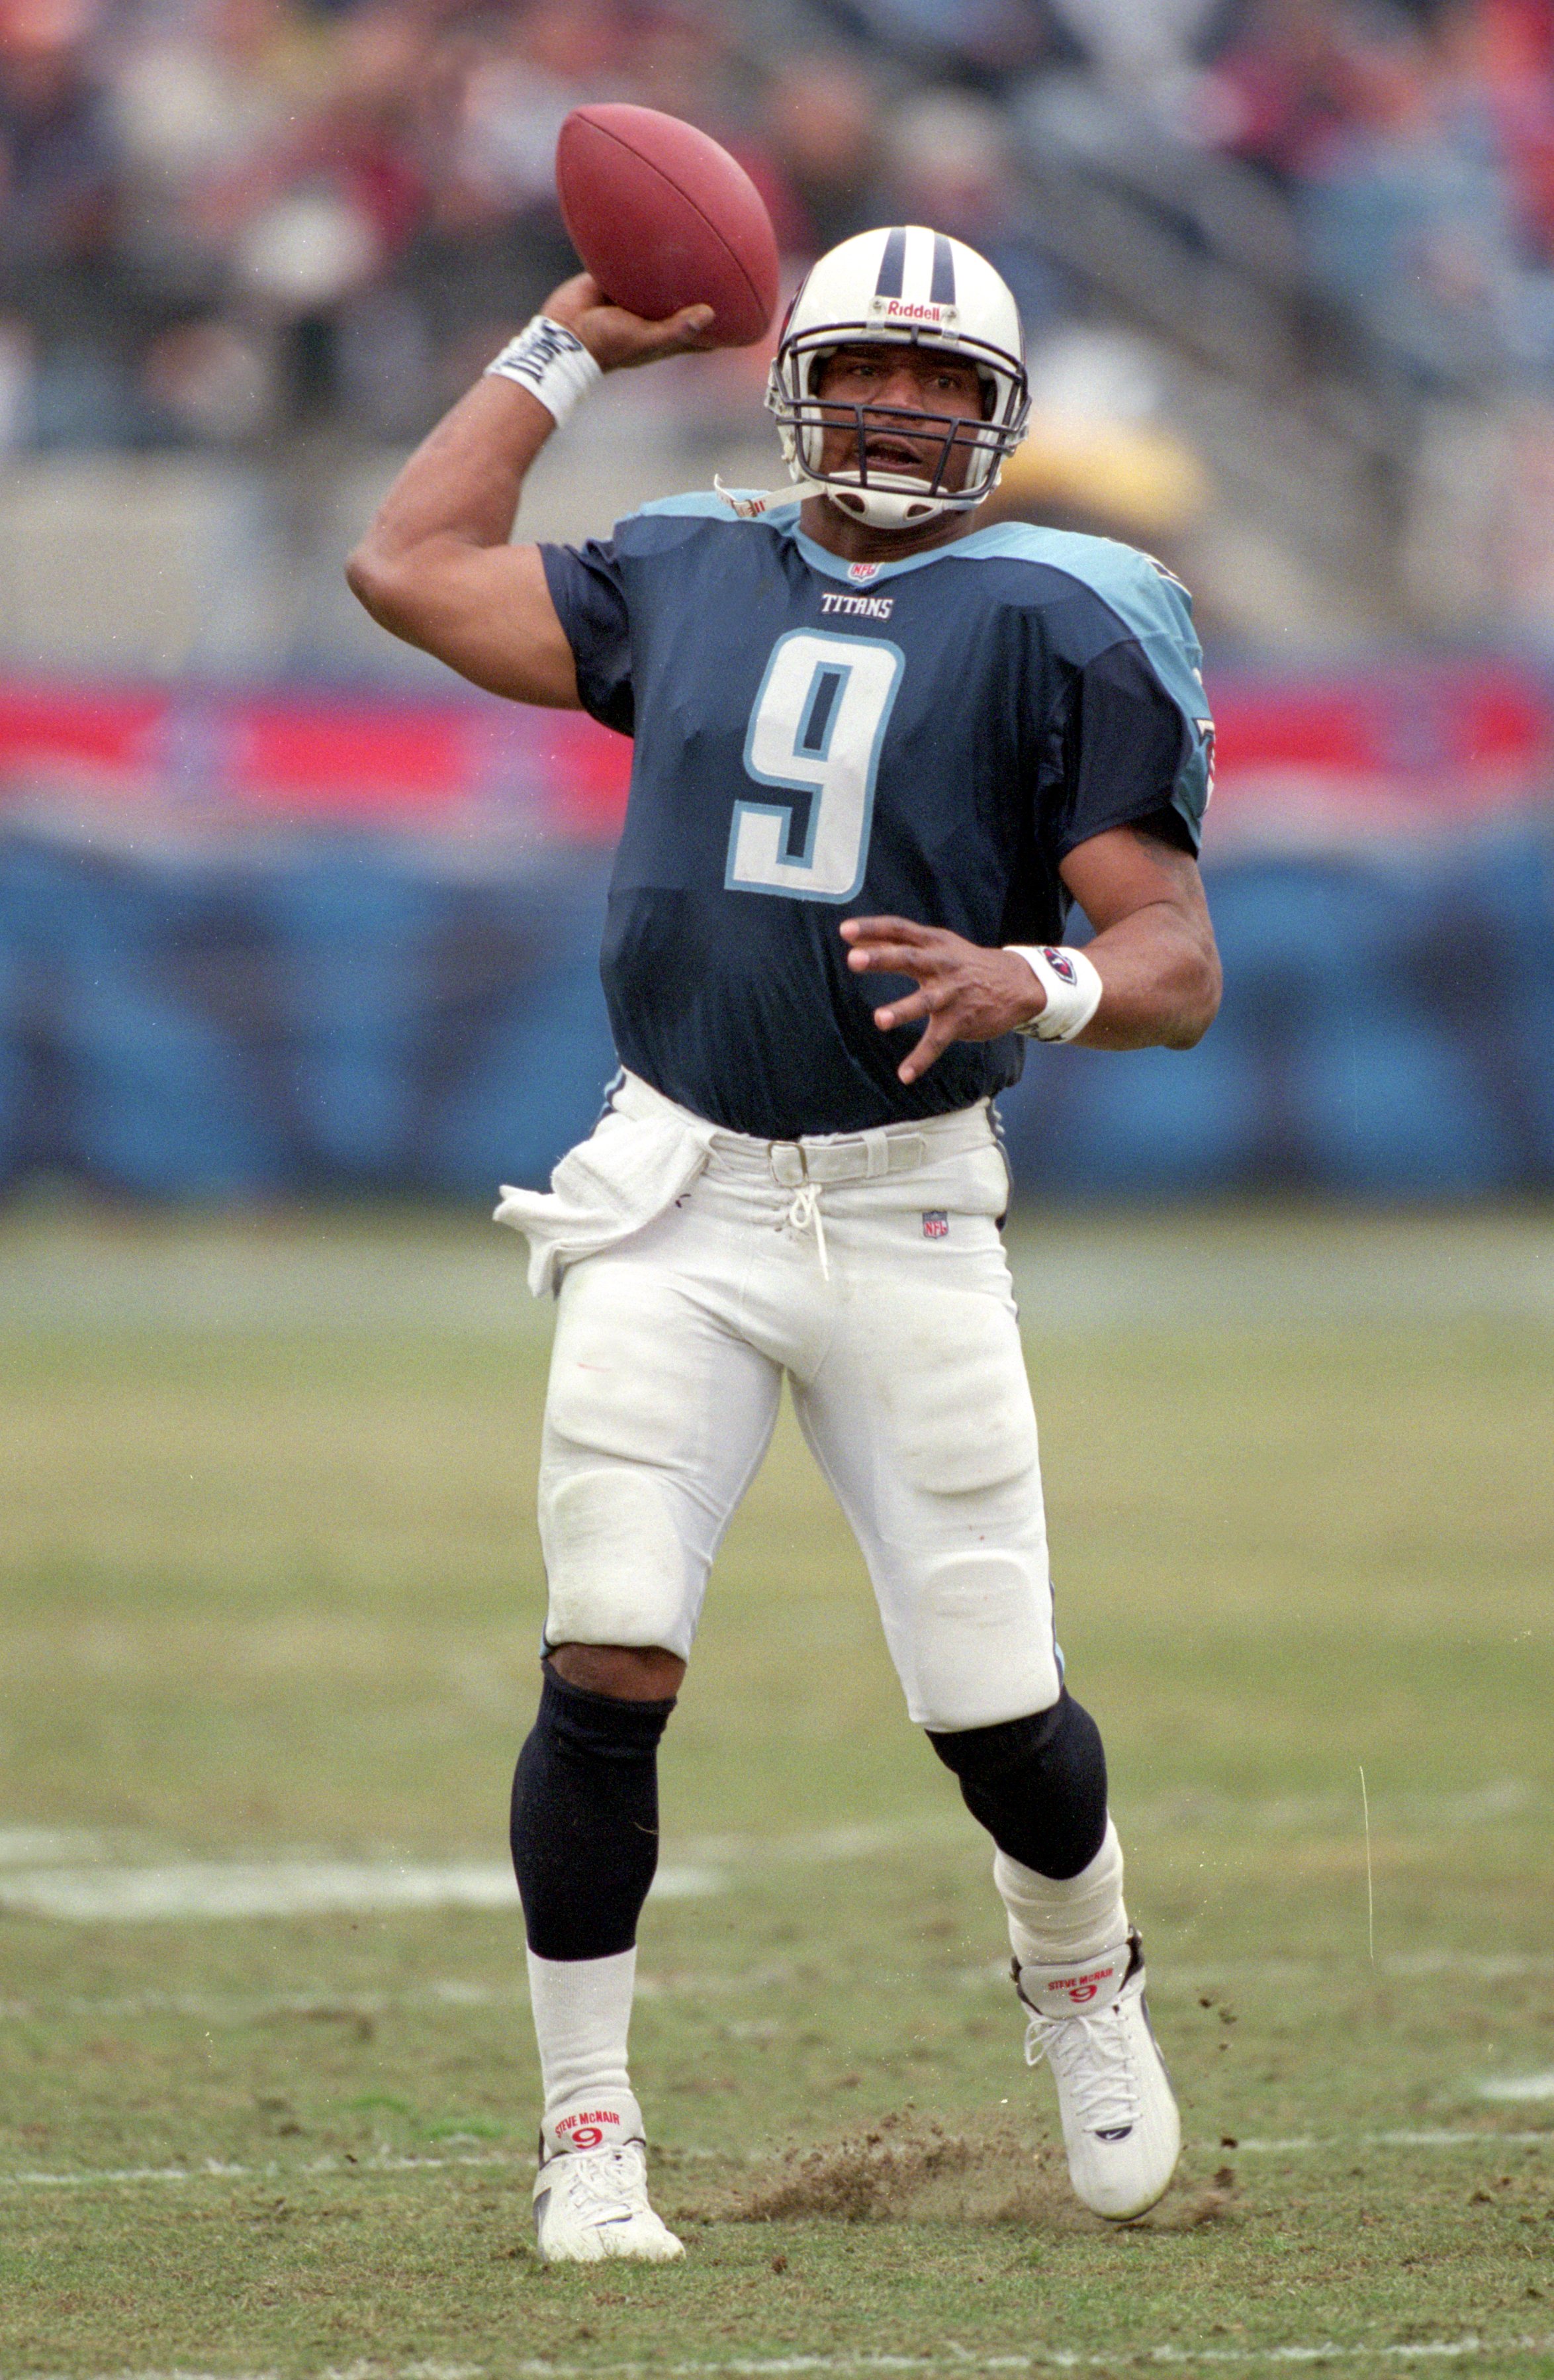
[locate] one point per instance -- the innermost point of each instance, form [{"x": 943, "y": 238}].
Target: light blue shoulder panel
[{"x": 1153, "y": 607}]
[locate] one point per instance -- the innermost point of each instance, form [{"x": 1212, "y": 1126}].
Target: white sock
[
  {"x": 1055, "y": 1920},
  {"x": 582, "y": 2011}
]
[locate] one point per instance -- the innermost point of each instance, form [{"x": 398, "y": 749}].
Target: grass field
[{"x": 271, "y": 1599}]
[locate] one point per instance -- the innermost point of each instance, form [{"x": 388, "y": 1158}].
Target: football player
[{"x": 879, "y": 753}]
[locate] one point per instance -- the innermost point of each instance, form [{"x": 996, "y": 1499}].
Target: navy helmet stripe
[
  {"x": 943, "y": 290},
  {"x": 893, "y": 264}
]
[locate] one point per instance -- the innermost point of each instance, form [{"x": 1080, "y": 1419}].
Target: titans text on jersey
[{"x": 817, "y": 739}]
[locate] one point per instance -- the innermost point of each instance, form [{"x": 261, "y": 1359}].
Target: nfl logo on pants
[{"x": 936, "y": 1224}]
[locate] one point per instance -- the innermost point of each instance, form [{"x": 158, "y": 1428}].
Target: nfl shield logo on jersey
[
  {"x": 860, "y": 573},
  {"x": 936, "y": 1224}
]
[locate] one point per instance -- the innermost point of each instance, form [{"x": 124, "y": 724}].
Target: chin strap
[
  {"x": 749, "y": 504},
  {"x": 890, "y": 508}
]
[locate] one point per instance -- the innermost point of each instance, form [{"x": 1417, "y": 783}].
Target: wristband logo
[
  {"x": 1061, "y": 964},
  {"x": 535, "y": 349}
]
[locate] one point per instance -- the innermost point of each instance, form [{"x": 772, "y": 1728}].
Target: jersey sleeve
[
  {"x": 1133, "y": 742},
  {"x": 588, "y": 591}
]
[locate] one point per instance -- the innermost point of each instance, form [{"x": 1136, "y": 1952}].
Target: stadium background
[{"x": 283, "y": 909}]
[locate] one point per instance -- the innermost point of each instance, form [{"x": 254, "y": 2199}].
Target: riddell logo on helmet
[
  {"x": 909, "y": 310},
  {"x": 586, "y": 2130}
]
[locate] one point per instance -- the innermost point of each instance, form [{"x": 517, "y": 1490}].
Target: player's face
[{"x": 893, "y": 386}]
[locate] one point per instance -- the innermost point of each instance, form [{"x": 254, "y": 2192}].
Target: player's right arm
[{"x": 437, "y": 567}]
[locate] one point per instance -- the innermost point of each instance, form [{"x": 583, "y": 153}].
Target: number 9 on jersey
[{"x": 813, "y": 737}]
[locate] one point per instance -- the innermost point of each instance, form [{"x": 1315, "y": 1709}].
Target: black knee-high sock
[
  {"x": 1038, "y": 1785},
  {"x": 584, "y": 1828}
]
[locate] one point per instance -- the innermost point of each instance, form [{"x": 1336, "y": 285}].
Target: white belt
[
  {"x": 647, "y": 1150},
  {"x": 824, "y": 1158},
  {"x": 819, "y": 1160}
]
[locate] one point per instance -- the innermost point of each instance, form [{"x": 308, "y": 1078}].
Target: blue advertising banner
[{"x": 363, "y": 1013}]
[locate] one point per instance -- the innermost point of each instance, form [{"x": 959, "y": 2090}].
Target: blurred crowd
[
  {"x": 221, "y": 218},
  {"x": 1419, "y": 157}
]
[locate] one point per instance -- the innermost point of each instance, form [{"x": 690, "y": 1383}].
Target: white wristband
[
  {"x": 549, "y": 361},
  {"x": 1072, "y": 990}
]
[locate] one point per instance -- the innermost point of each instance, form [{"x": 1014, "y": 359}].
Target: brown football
[{"x": 664, "y": 218}]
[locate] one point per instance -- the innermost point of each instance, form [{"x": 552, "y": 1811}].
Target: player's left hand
[{"x": 967, "y": 993}]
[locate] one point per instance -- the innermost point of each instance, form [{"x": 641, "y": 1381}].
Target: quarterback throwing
[{"x": 879, "y": 753}]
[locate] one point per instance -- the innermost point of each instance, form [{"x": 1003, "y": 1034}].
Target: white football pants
[{"x": 868, "y": 1268}]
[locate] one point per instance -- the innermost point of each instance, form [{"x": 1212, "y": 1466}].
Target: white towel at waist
[{"x": 630, "y": 1170}]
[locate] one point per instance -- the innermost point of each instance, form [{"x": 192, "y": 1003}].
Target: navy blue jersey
[{"x": 817, "y": 739}]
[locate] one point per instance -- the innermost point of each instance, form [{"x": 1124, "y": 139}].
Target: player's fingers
[
  {"x": 904, "y": 1012},
  {"x": 895, "y": 929},
  {"x": 895, "y": 958},
  {"x": 687, "y": 329},
  {"x": 936, "y": 1039},
  {"x": 621, "y": 340},
  {"x": 946, "y": 1013},
  {"x": 888, "y": 960}
]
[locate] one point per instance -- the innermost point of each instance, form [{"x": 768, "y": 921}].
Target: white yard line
[
  {"x": 216, "y": 2170},
  {"x": 1519, "y": 2086},
  {"x": 1036, "y": 2358},
  {"x": 109, "y": 1891},
  {"x": 381, "y": 2161},
  {"x": 345, "y": 2007},
  {"x": 1345, "y": 2143},
  {"x": 211, "y": 1889},
  {"x": 778, "y": 2367},
  {"x": 194, "y": 1889},
  {"x": 457, "y": 1991}
]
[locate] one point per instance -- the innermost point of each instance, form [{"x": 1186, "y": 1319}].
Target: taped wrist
[
  {"x": 1038, "y": 1785},
  {"x": 585, "y": 1821},
  {"x": 1073, "y": 988},
  {"x": 549, "y": 361}
]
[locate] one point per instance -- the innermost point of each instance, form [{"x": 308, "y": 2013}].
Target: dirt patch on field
[
  {"x": 905, "y": 2171},
  {"x": 902, "y": 2171}
]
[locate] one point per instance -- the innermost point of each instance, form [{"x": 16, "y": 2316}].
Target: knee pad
[
  {"x": 585, "y": 1820},
  {"x": 1037, "y": 1784},
  {"x": 981, "y": 1621},
  {"x": 615, "y": 1565}
]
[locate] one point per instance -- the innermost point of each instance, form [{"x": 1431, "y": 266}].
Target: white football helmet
[{"x": 903, "y": 286}]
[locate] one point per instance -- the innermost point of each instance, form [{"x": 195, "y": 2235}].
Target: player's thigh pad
[
  {"x": 655, "y": 1419},
  {"x": 925, "y": 1428}
]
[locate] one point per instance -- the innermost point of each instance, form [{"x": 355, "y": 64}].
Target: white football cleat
[
  {"x": 591, "y": 2193},
  {"x": 1121, "y": 2127}
]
